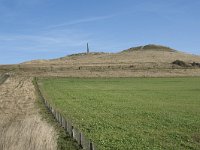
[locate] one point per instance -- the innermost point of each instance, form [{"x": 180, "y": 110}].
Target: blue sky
[{"x": 43, "y": 29}]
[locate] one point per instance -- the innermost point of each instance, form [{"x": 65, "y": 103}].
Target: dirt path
[{"x": 21, "y": 126}]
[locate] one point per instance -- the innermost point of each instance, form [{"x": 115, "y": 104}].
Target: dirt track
[{"x": 21, "y": 126}]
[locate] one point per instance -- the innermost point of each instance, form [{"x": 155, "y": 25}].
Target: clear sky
[{"x": 43, "y": 29}]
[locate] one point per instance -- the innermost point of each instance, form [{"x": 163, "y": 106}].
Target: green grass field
[{"x": 130, "y": 113}]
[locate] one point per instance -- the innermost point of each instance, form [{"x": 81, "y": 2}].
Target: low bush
[
  {"x": 194, "y": 64},
  {"x": 180, "y": 63}
]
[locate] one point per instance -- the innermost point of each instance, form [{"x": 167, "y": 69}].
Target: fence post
[
  {"x": 81, "y": 140},
  {"x": 51, "y": 108},
  {"x": 56, "y": 115},
  {"x": 60, "y": 119},
  {"x": 53, "y": 112},
  {"x": 72, "y": 131},
  {"x": 91, "y": 145},
  {"x": 66, "y": 125}
]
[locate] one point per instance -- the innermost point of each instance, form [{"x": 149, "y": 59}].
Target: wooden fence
[
  {"x": 3, "y": 78},
  {"x": 74, "y": 132}
]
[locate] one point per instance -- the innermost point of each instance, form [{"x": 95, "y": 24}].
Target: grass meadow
[{"x": 130, "y": 113}]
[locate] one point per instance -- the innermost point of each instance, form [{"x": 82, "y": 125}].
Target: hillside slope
[
  {"x": 142, "y": 61},
  {"x": 142, "y": 54}
]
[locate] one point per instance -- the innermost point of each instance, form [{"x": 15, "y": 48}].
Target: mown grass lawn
[{"x": 130, "y": 113}]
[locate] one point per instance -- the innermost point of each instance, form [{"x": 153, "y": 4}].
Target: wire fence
[
  {"x": 3, "y": 78},
  {"x": 84, "y": 142}
]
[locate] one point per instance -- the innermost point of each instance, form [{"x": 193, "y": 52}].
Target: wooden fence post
[
  {"x": 66, "y": 125},
  {"x": 56, "y": 115},
  {"x": 80, "y": 140},
  {"x": 60, "y": 119},
  {"x": 72, "y": 131},
  {"x": 91, "y": 145},
  {"x": 62, "y": 122}
]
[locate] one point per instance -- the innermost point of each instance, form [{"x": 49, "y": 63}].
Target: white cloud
[
  {"x": 79, "y": 21},
  {"x": 46, "y": 41}
]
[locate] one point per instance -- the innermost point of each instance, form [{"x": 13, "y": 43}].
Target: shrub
[
  {"x": 180, "y": 63},
  {"x": 194, "y": 64}
]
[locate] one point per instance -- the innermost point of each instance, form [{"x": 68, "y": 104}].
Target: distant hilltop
[
  {"x": 142, "y": 54},
  {"x": 141, "y": 61},
  {"x": 150, "y": 47}
]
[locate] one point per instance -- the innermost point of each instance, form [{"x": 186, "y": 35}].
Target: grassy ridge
[{"x": 131, "y": 113}]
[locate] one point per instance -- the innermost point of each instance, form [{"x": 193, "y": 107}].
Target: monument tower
[{"x": 88, "y": 50}]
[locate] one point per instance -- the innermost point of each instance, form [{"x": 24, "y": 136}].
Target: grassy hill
[
  {"x": 142, "y": 54},
  {"x": 148, "y": 60}
]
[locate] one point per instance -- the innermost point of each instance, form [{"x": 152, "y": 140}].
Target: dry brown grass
[
  {"x": 21, "y": 126},
  {"x": 122, "y": 58},
  {"x": 152, "y": 61}
]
